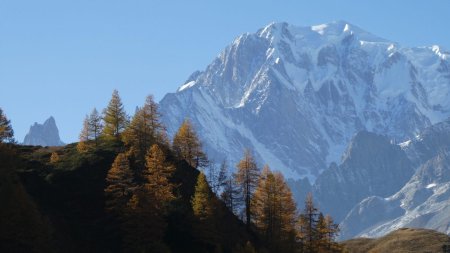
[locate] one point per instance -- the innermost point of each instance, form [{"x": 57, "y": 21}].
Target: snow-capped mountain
[
  {"x": 424, "y": 201},
  {"x": 296, "y": 95},
  {"x": 45, "y": 134}
]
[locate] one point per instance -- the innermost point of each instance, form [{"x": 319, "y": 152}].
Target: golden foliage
[
  {"x": 187, "y": 145},
  {"x": 247, "y": 179},
  {"x": 157, "y": 175},
  {"x": 114, "y": 117},
  {"x": 274, "y": 207},
  {"x": 202, "y": 204},
  {"x": 145, "y": 128},
  {"x": 119, "y": 184},
  {"x": 54, "y": 158}
]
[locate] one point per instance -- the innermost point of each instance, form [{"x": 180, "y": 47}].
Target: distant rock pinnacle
[{"x": 46, "y": 134}]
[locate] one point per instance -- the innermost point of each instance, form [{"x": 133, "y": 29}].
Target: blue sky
[{"x": 63, "y": 58}]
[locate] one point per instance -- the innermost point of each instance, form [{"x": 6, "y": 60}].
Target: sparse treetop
[{"x": 6, "y": 131}]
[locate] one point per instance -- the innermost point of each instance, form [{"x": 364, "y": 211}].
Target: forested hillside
[{"x": 125, "y": 187}]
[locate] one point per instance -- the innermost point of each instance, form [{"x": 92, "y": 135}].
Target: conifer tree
[
  {"x": 307, "y": 223},
  {"x": 321, "y": 240},
  {"x": 95, "y": 126},
  {"x": 263, "y": 202},
  {"x": 187, "y": 145},
  {"x": 145, "y": 223},
  {"x": 92, "y": 128},
  {"x": 202, "y": 200},
  {"x": 84, "y": 134},
  {"x": 274, "y": 209},
  {"x": 230, "y": 195},
  {"x": 114, "y": 117},
  {"x": 6, "y": 131},
  {"x": 288, "y": 208},
  {"x": 332, "y": 230},
  {"x": 119, "y": 184},
  {"x": 247, "y": 180},
  {"x": 157, "y": 175},
  {"x": 204, "y": 209},
  {"x": 82, "y": 145},
  {"x": 145, "y": 128}
]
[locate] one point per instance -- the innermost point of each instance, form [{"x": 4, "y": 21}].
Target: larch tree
[
  {"x": 332, "y": 230},
  {"x": 263, "y": 202},
  {"x": 6, "y": 131},
  {"x": 82, "y": 145},
  {"x": 92, "y": 128},
  {"x": 202, "y": 200},
  {"x": 288, "y": 214},
  {"x": 321, "y": 241},
  {"x": 95, "y": 126},
  {"x": 307, "y": 225},
  {"x": 157, "y": 176},
  {"x": 204, "y": 208},
  {"x": 187, "y": 146},
  {"x": 274, "y": 209},
  {"x": 145, "y": 218},
  {"x": 145, "y": 128},
  {"x": 326, "y": 233},
  {"x": 114, "y": 117},
  {"x": 84, "y": 134},
  {"x": 120, "y": 185},
  {"x": 247, "y": 179}
]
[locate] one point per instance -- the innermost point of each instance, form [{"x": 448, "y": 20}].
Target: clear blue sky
[{"x": 63, "y": 58}]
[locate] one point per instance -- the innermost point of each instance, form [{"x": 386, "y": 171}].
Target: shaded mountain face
[
  {"x": 371, "y": 165},
  {"x": 424, "y": 201},
  {"x": 297, "y": 95},
  {"x": 46, "y": 134}
]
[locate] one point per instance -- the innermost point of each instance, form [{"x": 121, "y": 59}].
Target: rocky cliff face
[
  {"x": 46, "y": 134},
  {"x": 424, "y": 201},
  {"x": 297, "y": 95},
  {"x": 372, "y": 165}
]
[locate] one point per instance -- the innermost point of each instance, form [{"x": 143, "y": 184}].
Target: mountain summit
[
  {"x": 46, "y": 134},
  {"x": 297, "y": 94}
]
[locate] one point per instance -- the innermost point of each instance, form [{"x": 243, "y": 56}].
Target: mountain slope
[
  {"x": 297, "y": 95},
  {"x": 401, "y": 241}
]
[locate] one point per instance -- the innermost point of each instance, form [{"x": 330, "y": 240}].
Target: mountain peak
[
  {"x": 45, "y": 134},
  {"x": 50, "y": 121},
  {"x": 325, "y": 31}
]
